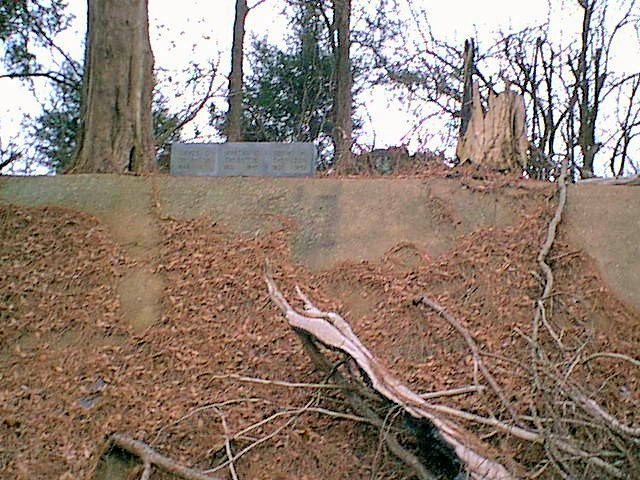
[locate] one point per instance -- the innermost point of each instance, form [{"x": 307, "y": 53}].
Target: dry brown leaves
[{"x": 71, "y": 371}]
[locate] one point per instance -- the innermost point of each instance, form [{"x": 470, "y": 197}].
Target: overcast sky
[
  {"x": 387, "y": 119},
  {"x": 201, "y": 30}
]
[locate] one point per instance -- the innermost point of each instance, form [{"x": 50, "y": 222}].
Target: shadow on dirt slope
[
  {"x": 335, "y": 219},
  {"x": 137, "y": 305}
]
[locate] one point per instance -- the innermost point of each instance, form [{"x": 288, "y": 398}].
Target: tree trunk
[
  {"x": 342, "y": 132},
  {"x": 234, "y": 116},
  {"x": 467, "y": 92},
  {"x": 589, "y": 88},
  {"x": 116, "y": 128},
  {"x": 496, "y": 138}
]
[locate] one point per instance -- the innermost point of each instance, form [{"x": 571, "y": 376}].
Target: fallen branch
[
  {"x": 358, "y": 404},
  {"x": 152, "y": 458},
  {"x": 475, "y": 351},
  {"x": 332, "y": 330}
]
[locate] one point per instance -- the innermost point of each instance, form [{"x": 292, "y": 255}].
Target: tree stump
[{"x": 495, "y": 138}]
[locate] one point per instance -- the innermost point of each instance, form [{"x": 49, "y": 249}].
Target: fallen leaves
[{"x": 61, "y": 329}]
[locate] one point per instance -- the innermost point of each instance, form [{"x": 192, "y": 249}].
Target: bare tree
[
  {"x": 594, "y": 78},
  {"x": 568, "y": 87},
  {"x": 590, "y": 77},
  {"x": 116, "y": 127},
  {"x": 534, "y": 66},
  {"x": 233, "y": 125},
  {"x": 628, "y": 126},
  {"x": 234, "y": 116}
]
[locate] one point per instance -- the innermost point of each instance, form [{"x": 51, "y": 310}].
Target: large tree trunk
[
  {"x": 234, "y": 116},
  {"x": 116, "y": 127},
  {"x": 343, "y": 127},
  {"x": 496, "y": 138}
]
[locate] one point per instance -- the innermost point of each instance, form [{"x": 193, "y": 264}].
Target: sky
[
  {"x": 387, "y": 120},
  {"x": 201, "y": 30}
]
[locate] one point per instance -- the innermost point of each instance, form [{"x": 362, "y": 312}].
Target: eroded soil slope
[{"x": 73, "y": 367}]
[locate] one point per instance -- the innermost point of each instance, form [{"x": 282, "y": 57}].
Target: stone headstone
[{"x": 270, "y": 159}]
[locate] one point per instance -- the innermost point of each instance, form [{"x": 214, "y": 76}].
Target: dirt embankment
[
  {"x": 337, "y": 219},
  {"x": 75, "y": 363}
]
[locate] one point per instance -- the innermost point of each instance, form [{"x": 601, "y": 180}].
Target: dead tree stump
[{"x": 495, "y": 138}]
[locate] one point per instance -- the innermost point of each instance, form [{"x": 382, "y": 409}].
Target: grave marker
[{"x": 270, "y": 159}]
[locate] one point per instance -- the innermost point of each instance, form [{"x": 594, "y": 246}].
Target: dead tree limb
[
  {"x": 359, "y": 405},
  {"x": 475, "y": 351},
  {"x": 332, "y": 330},
  {"x": 152, "y": 458}
]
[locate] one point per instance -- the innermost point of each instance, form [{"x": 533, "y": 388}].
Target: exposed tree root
[{"x": 548, "y": 380}]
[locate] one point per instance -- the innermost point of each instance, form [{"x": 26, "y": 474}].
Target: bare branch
[
  {"x": 54, "y": 76},
  {"x": 150, "y": 457},
  {"x": 332, "y": 330}
]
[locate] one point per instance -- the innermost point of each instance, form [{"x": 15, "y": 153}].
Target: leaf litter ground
[{"x": 72, "y": 370}]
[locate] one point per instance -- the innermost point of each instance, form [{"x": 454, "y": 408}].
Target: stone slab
[{"x": 245, "y": 159}]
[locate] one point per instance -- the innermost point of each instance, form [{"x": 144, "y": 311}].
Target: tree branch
[
  {"x": 53, "y": 76},
  {"x": 150, "y": 457},
  {"x": 332, "y": 330}
]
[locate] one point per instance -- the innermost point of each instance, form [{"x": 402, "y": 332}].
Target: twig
[
  {"x": 519, "y": 432},
  {"x": 471, "y": 343},
  {"x": 263, "y": 439},
  {"x": 299, "y": 411},
  {"x": 54, "y": 76},
  {"x": 227, "y": 444},
  {"x": 547, "y": 325},
  {"x": 619, "y": 356},
  {"x": 386, "y": 424},
  {"x": 597, "y": 411},
  {"x": 150, "y": 457},
  {"x": 12, "y": 157},
  {"x": 453, "y": 392},
  {"x": 190, "y": 115},
  {"x": 203, "y": 408},
  {"x": 280, "y": 383}
]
